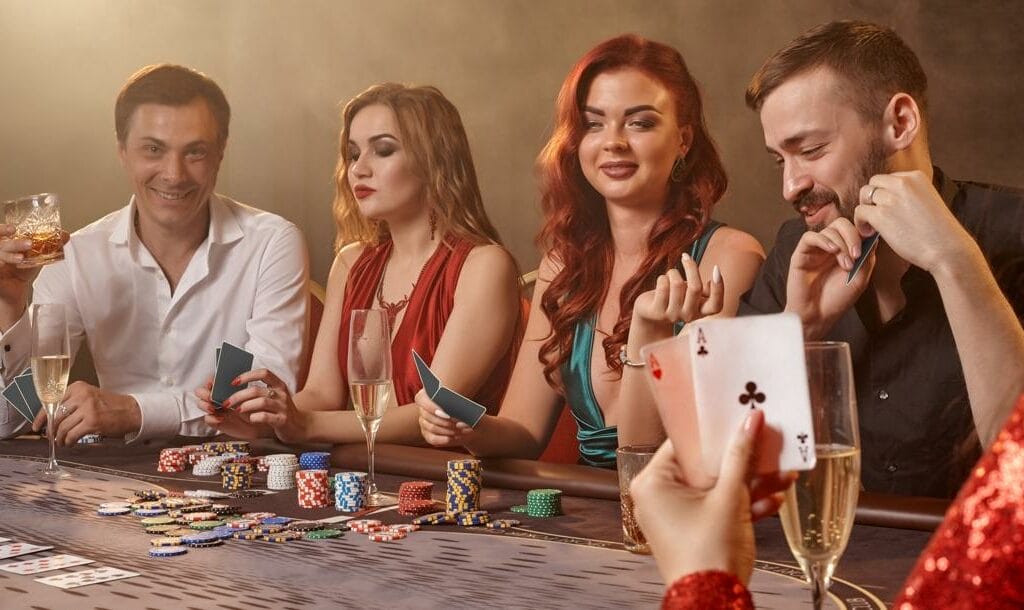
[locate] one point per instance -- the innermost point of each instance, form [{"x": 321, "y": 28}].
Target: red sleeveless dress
[{"x": 426, "y": 315}]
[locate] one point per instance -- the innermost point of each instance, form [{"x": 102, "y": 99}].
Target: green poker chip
[{"x": 323, "y": 534}]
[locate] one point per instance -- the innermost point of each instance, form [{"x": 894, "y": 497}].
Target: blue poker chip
[
  {"x": 200, "y": 538},
  {"x": 90, "y": 439},
  {"x": 222, "y": 532},
  {"x": 150, "y": 512},
  {"x": 277, "y": 521},
  {"x": 167, "y": 551}
]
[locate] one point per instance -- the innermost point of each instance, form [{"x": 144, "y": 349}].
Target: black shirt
[{"x": 917, "y": 433}]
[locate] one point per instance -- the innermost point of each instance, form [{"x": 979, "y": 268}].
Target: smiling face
[
  {"x": 631, "y": 138},
  {"x": 825, "y": 149},
  {"x": 172, "y": 155},
  {"x": 380, "y": 166}
]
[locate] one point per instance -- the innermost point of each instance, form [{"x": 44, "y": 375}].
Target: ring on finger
[
  {"x": 271, "y": 394},
  {"x": 871, "y": 194}
]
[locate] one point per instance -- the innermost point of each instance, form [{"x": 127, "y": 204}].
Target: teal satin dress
[{"x": 597, "y": 441}]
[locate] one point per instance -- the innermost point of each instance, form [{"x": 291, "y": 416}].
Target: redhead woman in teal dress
[{"x": 629, "y": 179}]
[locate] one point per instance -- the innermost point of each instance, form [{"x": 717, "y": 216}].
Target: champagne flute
[
  {"x": 369, "y": 382},
  {"x": 819, "y": 509},
  {"x": 51, "y": 362}
]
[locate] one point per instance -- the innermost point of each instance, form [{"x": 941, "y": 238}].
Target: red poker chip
[
  {"x": 386, "y": 536},
  {"x": 403, "y": 528}
]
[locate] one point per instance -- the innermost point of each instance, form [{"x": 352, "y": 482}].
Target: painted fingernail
[
  {"x": 226, "y": 404},
  {"x": 716, "y": 275},
  {"x": 685, "y": 256},
  {"x": 235, "y": 381},
  {"x": 442, "y": 414}
]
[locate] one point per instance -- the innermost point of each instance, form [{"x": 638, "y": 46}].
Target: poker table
[{"x": 573, "y": 560}]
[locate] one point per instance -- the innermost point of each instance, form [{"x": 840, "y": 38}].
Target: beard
[{"x": 874, "y": 163}]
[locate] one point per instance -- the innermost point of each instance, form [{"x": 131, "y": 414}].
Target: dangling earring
[
  {"x": 433, "y": 223},
  {"x": 678, "y": 169}
]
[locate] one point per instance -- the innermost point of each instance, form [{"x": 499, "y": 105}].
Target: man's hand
[
  {"x": 816, "y": 288},
  {"x": 87, "y": 409},
  {"x": 15, "y": 283},
  {"x": 912, "y": 218}
]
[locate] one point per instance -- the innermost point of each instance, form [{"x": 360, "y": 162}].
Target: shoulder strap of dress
[{"x": 701, "y": 244}]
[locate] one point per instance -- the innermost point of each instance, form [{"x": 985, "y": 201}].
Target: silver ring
[
  {"x": 271, "y": 393},
  {"x": 871, "y": 195},
  {"x": 62, "y": 410}
]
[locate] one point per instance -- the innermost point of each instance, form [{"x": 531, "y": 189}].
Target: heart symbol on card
[{"x": 655, "y": 367}]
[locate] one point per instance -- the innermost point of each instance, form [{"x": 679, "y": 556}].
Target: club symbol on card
[
  {"x": 702, "y": 342},
  {"x": 752, "y": 397},
  {"x": 805, "y": 450},
  {"x": 655, "y": 367}
]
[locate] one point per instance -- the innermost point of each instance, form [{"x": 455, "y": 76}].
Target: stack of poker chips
[
  {"x": 281, "y": 469},
  {"x": 464, "y": 482},
  {"x": 315, "y": 460},
  {"x": 209, "y": 466},
  {"x": 194, "y": 457},
  {"x": 544, "y": 502},
  {"x": 313, "y": 488},
  {"x": 172, "y": 460},
  {"x": 414, "y": 498},
  {"x": 349, "y": 491},
  {"x": 236, "y": 476}
]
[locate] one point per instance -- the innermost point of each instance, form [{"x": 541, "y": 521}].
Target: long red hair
[{"x": 576, "y": 233}]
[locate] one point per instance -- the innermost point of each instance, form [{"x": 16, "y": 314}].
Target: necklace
[{"x": 393, "y": 309}]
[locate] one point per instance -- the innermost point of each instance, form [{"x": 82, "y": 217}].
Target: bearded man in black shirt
[{"x": 933, "y": 317}]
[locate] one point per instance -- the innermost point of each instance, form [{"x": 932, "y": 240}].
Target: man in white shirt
[{"x": 156, "y": 286}]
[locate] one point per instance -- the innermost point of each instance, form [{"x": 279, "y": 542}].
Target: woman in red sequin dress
[
  {"x": 415, "y": 241},
  {"x": 974, "y": 560}
]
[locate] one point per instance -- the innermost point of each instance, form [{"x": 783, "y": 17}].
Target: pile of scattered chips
[
  {"x": 90, "y": 439},
  {"x": 464, "y": 482},
  {"x": 313, "y": 490},
  {"x": 172, "y": 460},
  {"x": 236, "y": 476},
  {"x": 349, "y": 491},
  {"x": 281, "y": 469},
  {"x": 414, "y": 498},
  {"x": 315, "y": 460}
]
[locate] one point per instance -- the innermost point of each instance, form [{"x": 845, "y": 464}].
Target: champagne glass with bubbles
[
  {"x": 369, "y": 381},
  {"x": 819, "y": 509},
  {"x": 51, "y": 362}
]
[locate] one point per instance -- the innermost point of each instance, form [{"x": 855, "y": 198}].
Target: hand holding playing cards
[
  {"x": 86, "y": 409},
  {"x": 691, "y": 530},
  {"x": 228, "y": 421},
  {"x": 817, "y": 288},
  {"x": 912, "y": 218},
  {"x": 269, "y": 404},
  {"x": 438, "y": 428}
]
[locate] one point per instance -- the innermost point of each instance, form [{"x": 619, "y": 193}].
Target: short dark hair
[
  {"x": 170, "y": 85},
  {"x": 872, "y": 59}
]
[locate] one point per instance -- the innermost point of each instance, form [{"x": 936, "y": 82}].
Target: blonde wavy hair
[{"x": 432, "y": 132}]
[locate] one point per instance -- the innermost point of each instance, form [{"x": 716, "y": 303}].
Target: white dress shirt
[{"x": 245, "y": 284}]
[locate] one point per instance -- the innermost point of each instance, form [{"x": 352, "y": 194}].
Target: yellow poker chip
[
  {"x": 166, "y": 541},
  {"x": 157, "y": 521},
  {"x": 246, "y": 535},
  {"x": 161, "y": 529}
]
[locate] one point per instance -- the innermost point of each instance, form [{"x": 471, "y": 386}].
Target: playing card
[
  {"x": 43, "y": 564},
  {"x": 866, "y": 246},
  {"x": 16, "y": 549},
  {"x": 754, "y": 362},
  {"x": 86, "y": 577},
  {"x": 232, "y": 362},
  {"x": 28, "y": 391},
  {"x": 706, "y": 380},
  {"x": 670, "y": 376},
  {"x": 454, "y": 404},
  {"x": 17, "y": 400}
]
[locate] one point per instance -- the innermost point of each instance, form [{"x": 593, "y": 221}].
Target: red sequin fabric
[
  {"x": 711, "y": 590},
  {"x": 976, "y": 558}
]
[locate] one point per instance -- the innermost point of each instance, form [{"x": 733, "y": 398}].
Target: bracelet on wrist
[{"x": 624, "y": 359}]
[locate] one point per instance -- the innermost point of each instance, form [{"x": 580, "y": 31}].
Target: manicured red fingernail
[
  {"x": 226, "y": 404},
  {"x": 235, "y": 381}
]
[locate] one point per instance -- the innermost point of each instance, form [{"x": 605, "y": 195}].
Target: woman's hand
[
  {"x": 692, "y": 530},
  {"x": 438, "y": 428},
  {"x": 269, "y": 403},
  {"x": 675, "y": 299}
]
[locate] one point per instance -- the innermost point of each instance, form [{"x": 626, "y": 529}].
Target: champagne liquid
[
  {"x": 370, "y": 400},
  {"x": 50, "y": 376},
  {"x": 818, "y": 512},
  {"x": 632, "y": 536}
]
